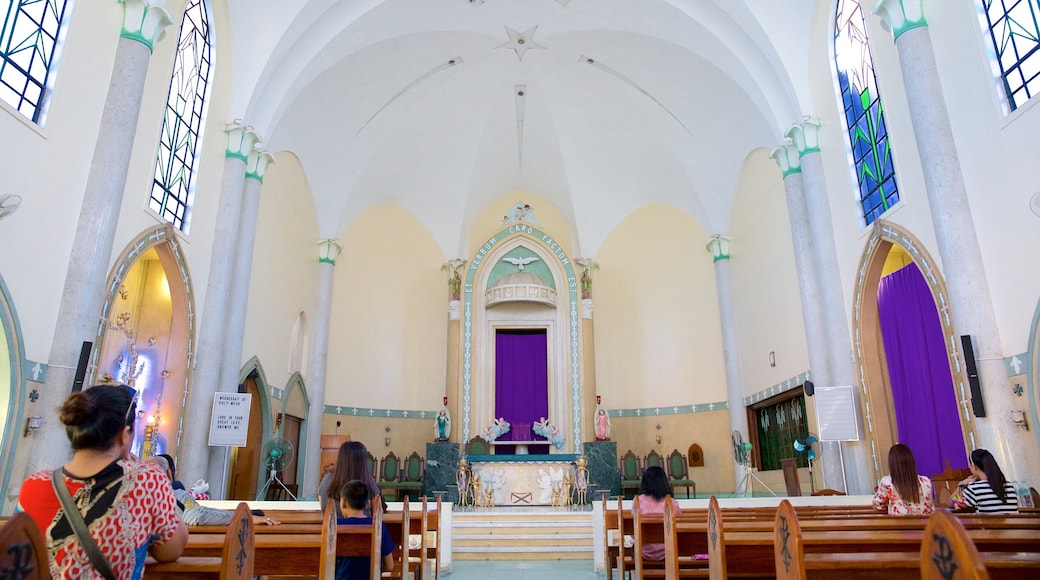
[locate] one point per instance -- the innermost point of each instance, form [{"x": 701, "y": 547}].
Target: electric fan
[
  {"x": 276, "y": 454},
  {"x": 742, "y": 455},
  {"x": 811, "y": 447},
  {"x": 8, "y": 204}
]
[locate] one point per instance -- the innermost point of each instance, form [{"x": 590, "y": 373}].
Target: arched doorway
[
  {"x": 889, "y": 248},
  {"x": 246, "y": 469},
  {"x": 295, "y": 406},
  {"x": 147, "y": 337},
  {"x": 12, "y": 387}
]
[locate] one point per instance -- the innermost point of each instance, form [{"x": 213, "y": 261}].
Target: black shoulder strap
[{"x": 79, "y": 526}]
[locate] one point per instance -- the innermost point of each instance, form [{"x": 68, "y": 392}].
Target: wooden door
[
  {"x": 291, "y": 432},
  {"x": 245, "y": 463}
]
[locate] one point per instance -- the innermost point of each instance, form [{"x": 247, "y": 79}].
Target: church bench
[
  {"x": 234, "y": 562},
  {"x": 650, "y": 529},
  {"x": 23, "y": 549}
]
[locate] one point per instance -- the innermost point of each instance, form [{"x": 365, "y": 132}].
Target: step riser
[
  {"x": 545, "y": 535},
  {"x": 468, "y": 556}
]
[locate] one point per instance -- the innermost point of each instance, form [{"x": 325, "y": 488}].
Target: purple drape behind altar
[
  {"x": 922, "y": 386},
  {"x": 521, "y": 383}
]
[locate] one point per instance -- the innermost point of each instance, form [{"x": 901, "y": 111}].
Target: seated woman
[
  {"x": 111, "y": 490},
  {"x": 653, "y": 490},
  {"x": 351, "y": 464},
  {"x": 903, "y": 492},
  {"x": 986, "y": 489}
]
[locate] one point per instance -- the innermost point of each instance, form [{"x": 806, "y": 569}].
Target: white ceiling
[{"x": 677, "y": 96}]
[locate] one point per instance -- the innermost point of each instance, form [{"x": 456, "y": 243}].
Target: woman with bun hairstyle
[
  {"x": 128, "y": 506},
  {"x": 986, "y": 489},
  {"x": 903, "y": 492},
  {"x": 351, "y": 464}
]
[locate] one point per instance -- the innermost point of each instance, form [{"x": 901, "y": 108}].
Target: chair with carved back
[
  {"x": 235, "y": 562},
  {"x": 22, "y": 548},
  {"x": 372, "y": 463},
  {"x": 653, "y": 459},
  {"x": 477, "y": 446},
  {"x": 630, "y": 472},
  {"x": 412, "y": 475},
  {"x": 679, "y": 474},
  {"x": 947, "y": 548},
  {"x": 390, "y": 473}
]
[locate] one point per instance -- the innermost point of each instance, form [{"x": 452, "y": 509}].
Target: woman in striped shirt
[{"x": 986, "y": 489}]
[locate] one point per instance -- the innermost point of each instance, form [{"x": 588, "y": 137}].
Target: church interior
[{"x": 729, "y": 225}]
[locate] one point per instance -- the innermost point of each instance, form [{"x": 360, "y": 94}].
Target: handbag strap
[{"x": 79, "y": 526}]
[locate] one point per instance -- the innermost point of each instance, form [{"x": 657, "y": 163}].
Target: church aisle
[{"x": 523, "y": 570}]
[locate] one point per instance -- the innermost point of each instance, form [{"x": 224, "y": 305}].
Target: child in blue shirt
[{"x": 355, "y": 501}]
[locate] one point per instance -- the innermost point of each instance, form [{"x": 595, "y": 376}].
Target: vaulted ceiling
[{"x": 442, "y": 106}]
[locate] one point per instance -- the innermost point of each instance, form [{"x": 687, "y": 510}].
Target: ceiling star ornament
[{"x": 521, "y": 42}]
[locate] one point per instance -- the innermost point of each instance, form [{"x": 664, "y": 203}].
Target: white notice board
[
  {"x": 837, "y": 414},
  {"x": 229, "y": 424}
]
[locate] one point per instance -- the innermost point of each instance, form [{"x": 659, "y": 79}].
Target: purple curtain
[
  {"x": 521, "y": 383},
  {"x": 922, "y": 386}
]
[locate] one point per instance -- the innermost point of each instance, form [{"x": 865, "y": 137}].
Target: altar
[{"x": 521, "y": 480}]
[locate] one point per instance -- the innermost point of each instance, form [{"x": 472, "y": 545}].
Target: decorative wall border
[
  {"x": 781, "y": 387},
  {"x": 666, "y": 410}
]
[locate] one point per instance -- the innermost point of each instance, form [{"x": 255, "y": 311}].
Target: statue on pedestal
[
  {"x": 602, "y": 420},
  {"x": 581, "y": 480},
  {"x": 462, "y": 479},
  {"x": 442, "y": 425}
]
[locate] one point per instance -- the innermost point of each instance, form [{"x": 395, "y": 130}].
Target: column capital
[
  {"x": 328, "y": 251},
  {"x": 240, "y": 140},
  {"x": 899, "y": 16},
  {"x": 257, "y": 162},
  {"x": 454, "y": 267},
  {"x": 145, "y": 21},
  {"x": 786, "y": 156},
  {"x": 718, "y": 245},
  {"x": 805, "y": 136}
]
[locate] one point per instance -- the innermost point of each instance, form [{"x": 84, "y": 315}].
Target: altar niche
[{"x": 521, "y": 387}]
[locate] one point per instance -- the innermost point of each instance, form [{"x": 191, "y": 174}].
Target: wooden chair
[
  {"x": 716, "y": 545},
  {"x": 22, "y": 549},
  {"x": 234, "y": 563},
  {"x": 788, "y": 555},
  {"x": 477, "y": 446},
  {"x": 679, "y": 474},
  {"x": 630, "y": 472},
  {"x": 945, "y": 483},
  {"x": 373, "y": 463},
  {"x": 390, "y": 473},
  {"x": 946, "y": 548},
  {"x": 653, "y": 459},
  {"x": 411, "y": 480}
]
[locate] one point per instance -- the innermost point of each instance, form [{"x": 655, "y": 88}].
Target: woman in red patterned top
[
  {"x": 128, "y": 506},
  {"x": 904, "y": 492}
]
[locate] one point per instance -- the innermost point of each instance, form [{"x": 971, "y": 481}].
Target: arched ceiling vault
[{"x": 442, "y": 106}]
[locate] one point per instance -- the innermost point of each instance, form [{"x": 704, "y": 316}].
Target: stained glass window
[
  {"x": 29, "y": 42},
  {"x": 1015, "y": 30},
  {"x": 864, "y": 115},
  {"x": 173, "y": 186},
  {"x": 777, "y": 423}
]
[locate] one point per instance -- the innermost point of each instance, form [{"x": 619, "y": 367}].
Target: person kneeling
[{"x": 354, "y": 501}]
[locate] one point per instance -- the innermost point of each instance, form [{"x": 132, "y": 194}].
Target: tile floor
[{"x": 522, "y": 570}]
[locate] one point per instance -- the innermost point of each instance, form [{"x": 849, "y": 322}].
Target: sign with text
[{"x": 229, "y": 423}]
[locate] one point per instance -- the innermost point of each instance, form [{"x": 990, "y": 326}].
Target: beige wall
[
  {"x": 657, "y": 325},
  {"x": 550, "y": 220},
  {"x": 388, "y": 328},
  {"x": 406, "y": 435}
]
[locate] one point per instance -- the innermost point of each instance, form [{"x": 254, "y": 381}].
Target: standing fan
[
  {"x": 8, "y": 204},
  {"x": 276, "y": 454},
  {"x": 742, "y": 456},
  {"x": 811, "y": 447}
]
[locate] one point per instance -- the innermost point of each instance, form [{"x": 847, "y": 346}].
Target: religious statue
[
  {"x": 602, "y": 424},
  {"x": 555, "y": 437},
  {"x": 581, "y": 480},
  {"x": 565, "y": 490},
  {"x": 462, "y": 479},
  {"x": 545, "y": 486},
  {"x": 442, "y": 425},
  {"x": 541, "y": 427},
  {"x": 500, "y": 427},
  {"x": 474, "y": 490}
]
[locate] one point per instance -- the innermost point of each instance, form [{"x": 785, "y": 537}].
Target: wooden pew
[
  {"x": 399, "y": 524},
  {"x": 612, "y": 542},
  {"x": 947, "y": 548},
  {"x": 432, "y": 549},
  {"x": 22, "y": 548},
  {"x": 234, "y": 563},
  {"x": 361, "y": 540},
  {"x": 650, "y": 529},
  {"x": 327, "y": 559}
]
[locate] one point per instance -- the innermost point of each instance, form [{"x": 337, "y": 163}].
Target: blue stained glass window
[
  {"x": 29, "y": 42},
  {"x": 1014, "y": 28},
  {"x": 173, "y": 185},
  {"x": 864, "y": 115}
]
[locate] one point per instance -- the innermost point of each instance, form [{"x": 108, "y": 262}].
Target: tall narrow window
[
  {"x": 173, "y": 186},
  {"x": 1014, "y": 27},
  {"x": 864, "y": 115},
  {"x": 29, "y": 43}
]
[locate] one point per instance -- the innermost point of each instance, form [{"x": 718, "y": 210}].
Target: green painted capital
[
  {"x": 256, "y": 165},
  {"x": 786, "y": 156},
  {"x": 805, "y": 136},
  {"x": 240, "y": 140},
  {"x": 899, "y": 16},
  {"x": 328, "y": 251},
  {"x": 144, "y": 21},
  {"x": 718, "y": 245}
]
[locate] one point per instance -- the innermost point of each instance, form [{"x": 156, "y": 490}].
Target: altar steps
[{"x": 508, "y": 534}]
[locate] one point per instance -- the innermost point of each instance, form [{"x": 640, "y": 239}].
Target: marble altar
[{"x": 603, "y": 467}]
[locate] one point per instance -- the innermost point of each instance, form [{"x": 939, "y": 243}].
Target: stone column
[
  {"x": 955, "y": 236},
  {"x": 786, "y": 156},
  {"x": 452, "y": 385},
  {"x": 718, "y": 245},
  {"x": 328, "y": 251},
  {"x": 85, "y": 278},
  {"x": 805, "y": 137},
  {"x": 256, "y": 166},
  {"x": 197, "y": 459},
  {"x": 588, "y": 348}
]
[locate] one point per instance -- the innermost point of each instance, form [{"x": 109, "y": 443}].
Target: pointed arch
[
  {"x": 293, "y": 385},
  {"x": 253, "y": 368},
  {"x": 12, "y": 386},
  {"x": 875, "y": 395}
]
